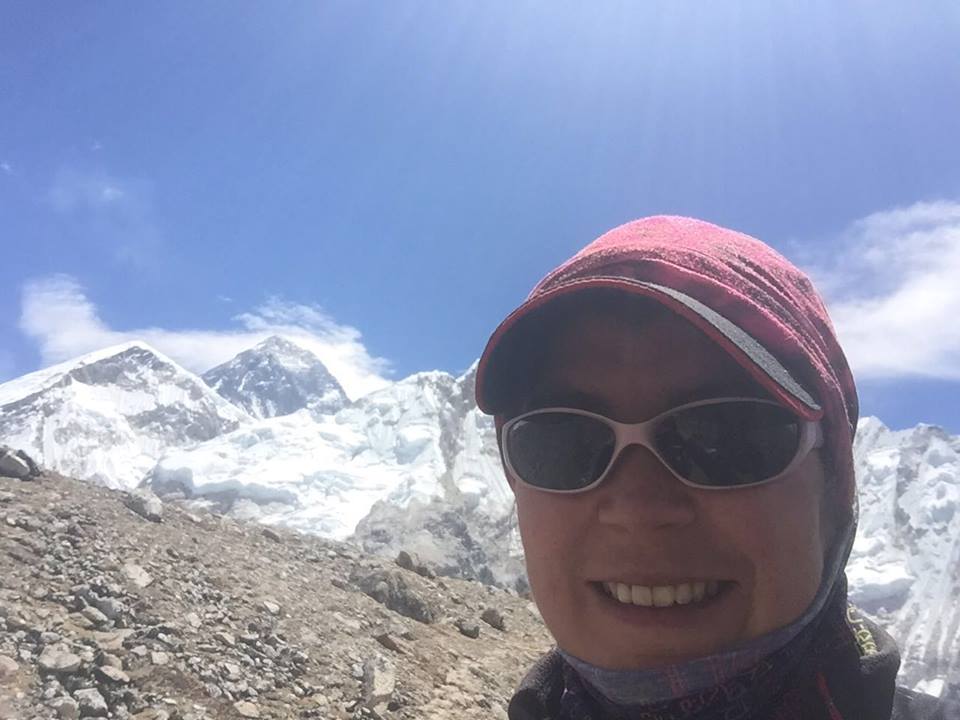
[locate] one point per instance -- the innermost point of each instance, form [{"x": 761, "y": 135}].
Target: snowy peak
[
  {"x": 107, "y": 416},
  {"x": 905, "y": 565},
  {"x": 277, "y": 377}
]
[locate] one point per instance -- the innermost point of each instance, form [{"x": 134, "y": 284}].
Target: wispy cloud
[
  {"x": 6, "y": 168},
  {"x": 117, "y": 212},
  {"x": 891, "y": 283},
  {"x": 57, "y": 313}
]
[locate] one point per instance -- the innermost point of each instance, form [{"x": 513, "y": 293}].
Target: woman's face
[{"x": 642, "y": 527}]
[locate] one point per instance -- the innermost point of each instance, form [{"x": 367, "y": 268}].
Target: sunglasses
[{"x": 716, "y": 444}]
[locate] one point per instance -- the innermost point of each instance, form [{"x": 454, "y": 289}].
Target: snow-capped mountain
[
  {"x": 412, "y": 466},
  {"x": 277, "y": 377},
  {"x": 905, "y": 565},
  {"x": 108, "y": 416}
]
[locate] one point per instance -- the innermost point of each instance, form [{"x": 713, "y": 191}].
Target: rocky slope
[
  {"x": 200, "y": 616},
  {"x": 277, "y": 377}
]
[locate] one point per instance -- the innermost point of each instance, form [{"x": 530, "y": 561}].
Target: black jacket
[{"x": 852, "y": 677}]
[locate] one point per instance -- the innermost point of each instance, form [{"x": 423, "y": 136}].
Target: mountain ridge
[{"x": 277, "y": 377}]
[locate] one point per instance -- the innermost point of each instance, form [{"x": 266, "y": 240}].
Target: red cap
[{"x": 748, "y": 298}]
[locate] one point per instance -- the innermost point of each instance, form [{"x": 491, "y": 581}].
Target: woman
[{"x": 675, "y": 418}]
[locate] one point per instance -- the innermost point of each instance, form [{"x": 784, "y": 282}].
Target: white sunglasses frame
[{"x": 627, "y": 434}]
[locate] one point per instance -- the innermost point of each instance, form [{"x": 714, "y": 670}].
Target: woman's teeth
[{"x": 662, "y": 595}]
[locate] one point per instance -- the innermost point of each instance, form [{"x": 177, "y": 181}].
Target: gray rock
[
  {"x": 387, "y": 640},
  {"x": 405, "y": 560},
  {"x": 111, "y": 607},
  {"x": 159, "y": 658},
  {"x": 13, "y": 466},
  {"x": 108, "y": 674},
  {"x": 152, "y": 714},
  {"x": 8, "y": 667},
  {"x": 271, "y": 534},
  {"x": 137, "y": 575},
  {"x": 108, "y": 660},
  {"x": 35, "y": 470},
  {"x": 95, "y": 616},
  {"x": 112, "y": 641},
  {"x": 91, "y": 703},
  {"x": 494, "y": 618},
  {"x": 468, "y": 628},
  {"x": 58, "y": 659},
  {"x": 392, "y": 589},
  {"x": 379, "y": 682},
  {"x": 411, "y": 561},
  {"x": 271, "y": 607},
  {"x": 66, "y": 708},
  {"x": 145, "y": 504},
  {"x": 246, "y": 709}
]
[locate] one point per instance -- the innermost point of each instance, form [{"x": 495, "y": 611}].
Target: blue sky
[{"x": 387, "y": 180}]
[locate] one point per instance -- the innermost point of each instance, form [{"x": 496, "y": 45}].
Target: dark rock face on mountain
[
  {"x": 106, "y": 614},
  {"x": 277, "y": 377}
]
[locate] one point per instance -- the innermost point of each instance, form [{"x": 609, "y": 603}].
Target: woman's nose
[{"x": 641, "y": 493}]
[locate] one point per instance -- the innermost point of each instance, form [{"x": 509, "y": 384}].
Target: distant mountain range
[{"x": 271, "y": 435}]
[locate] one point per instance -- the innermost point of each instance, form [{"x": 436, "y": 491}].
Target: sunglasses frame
[{"x": 641, "y": 433}]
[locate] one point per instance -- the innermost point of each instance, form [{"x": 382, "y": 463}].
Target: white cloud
[
  {"x": 118, "y": 213},
  {"x": 6, "y": 167},
  {"x": 892, "y": 284},
  {"x": 59, "y": 316}
]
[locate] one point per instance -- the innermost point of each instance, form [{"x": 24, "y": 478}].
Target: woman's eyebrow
[
  {"x": 567, "y": 397},
  {"x": 586, "y": 400},
  {"x": 710, "y": 390}
]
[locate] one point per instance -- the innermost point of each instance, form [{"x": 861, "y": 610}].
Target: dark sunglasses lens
[
  {"x": 559, "y": 451},
  {"x": 729, "y": 444}
]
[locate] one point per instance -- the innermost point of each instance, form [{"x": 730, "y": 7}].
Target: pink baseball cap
[{"x": 750, "y": 300}]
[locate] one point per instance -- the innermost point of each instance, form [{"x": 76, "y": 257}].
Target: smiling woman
[{"x": 675, "y": 418}]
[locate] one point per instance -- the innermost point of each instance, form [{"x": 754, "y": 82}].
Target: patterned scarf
[
  {"x": 822, "y": 674},
  {"x": 773, "y": 687}
]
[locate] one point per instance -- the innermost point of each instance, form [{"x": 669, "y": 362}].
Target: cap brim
[{"x": 759, "y": 362}]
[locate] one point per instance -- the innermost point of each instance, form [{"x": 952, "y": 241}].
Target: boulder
[
  {"x": 271, "y": 534},
  {"x": 109, "y": 675},
  {"x": 13, "y": 466},
  {"x": 137, "y": 575},
  {"x": 8, "y": 667},
  {"x": 391, "y": 588},
  {"x": 91, "y": 703},
  {"x": 494, "y": 618},
  {"x": 468, "y": 628},
  {"x": 145, "y": 504},
  {"x": 66, "y": 708},
  {"x": 35, "y": 470},
  {"x": 58, "y": 659},
  {"x": 379, "y": 682},
  {"x": 246, "y": 709}
]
